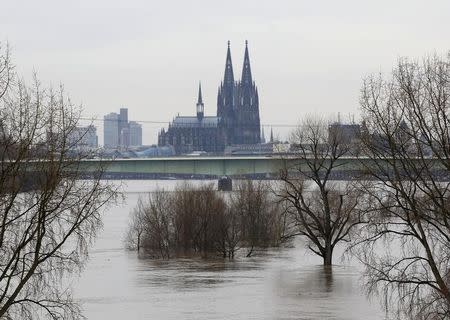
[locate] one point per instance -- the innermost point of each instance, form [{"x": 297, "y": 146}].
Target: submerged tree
[
  {"x": 187, "y": 220},
  {"x": 198, "y": 212},
  {"x": 198, "y": 220},
  {"x": 406, "y": 244},
  {"x": 254, "y": 206},
  {"x": 317, "y": 208},
  {"x": 150, "y": 224},
  {"x": 48, "y": 216}
]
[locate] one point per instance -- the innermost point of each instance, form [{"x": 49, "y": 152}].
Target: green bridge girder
[{"x": 208, "y": 166}]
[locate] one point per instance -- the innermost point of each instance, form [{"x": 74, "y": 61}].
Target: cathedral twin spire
[
  {"x": 227, "y": 94},
  {"x": 238, "y": 103},
  {"x": 246, "y": 77},
  {"x": 241, "y": 94},
  {"x": 228, "y": 78}
]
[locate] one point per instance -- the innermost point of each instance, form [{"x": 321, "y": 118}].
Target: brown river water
[{"x": 289, "y": 283}]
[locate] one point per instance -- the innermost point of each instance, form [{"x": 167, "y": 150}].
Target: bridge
[{"x": 261, "y": 167}]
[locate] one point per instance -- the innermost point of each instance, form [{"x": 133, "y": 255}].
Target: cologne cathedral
[{"x": 237, "y": 121}]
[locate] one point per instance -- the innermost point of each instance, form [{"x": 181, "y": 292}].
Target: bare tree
[
  {"x": 48, "y": 215},
  {"x": 199, "y": 220},
  {"x": 323, "y": 211},
  {"x": 185, "y": 224},
  {"x": 136, "y": 226},
  {"x": 229, "y": 231},
  {"x": 210, "y": 210},
  {"x": 406, "y": 244},
  {"x": 187, "y": 220},
  {"x": 253, "y": 203},
  {"x": 152, "y": 225},
  {"x": 7, "y": 74}
]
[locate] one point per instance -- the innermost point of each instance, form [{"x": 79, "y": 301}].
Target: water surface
[{"x": 277, "y": 284}]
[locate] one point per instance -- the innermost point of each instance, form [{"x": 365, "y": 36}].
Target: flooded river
[{"x": 279, "y": 284}]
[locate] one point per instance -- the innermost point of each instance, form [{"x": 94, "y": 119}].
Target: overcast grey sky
[{"x": 307, "y": 56}]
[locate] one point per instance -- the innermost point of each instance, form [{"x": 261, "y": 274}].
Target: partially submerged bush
[{"x": 201, "y": 221}]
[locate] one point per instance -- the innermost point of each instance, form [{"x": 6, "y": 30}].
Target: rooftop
[{"x": 192, "y": 121}]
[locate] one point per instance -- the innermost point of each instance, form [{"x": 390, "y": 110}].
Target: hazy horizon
[{"x": 148, "y": 56}]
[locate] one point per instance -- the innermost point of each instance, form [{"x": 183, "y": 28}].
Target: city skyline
[
  {"x": 309, "y": 57},
  {"x": 119, "y": 132}
]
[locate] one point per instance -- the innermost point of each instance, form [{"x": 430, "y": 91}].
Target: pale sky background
[{"x": 307, "y": 56}]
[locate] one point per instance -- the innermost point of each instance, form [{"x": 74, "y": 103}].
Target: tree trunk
[
  {"x": 139, "y": 242},
  {"x": 328, "y": 256}
]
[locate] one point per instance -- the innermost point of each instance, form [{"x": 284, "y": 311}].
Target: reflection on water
[{"x": 276, "y": 284}]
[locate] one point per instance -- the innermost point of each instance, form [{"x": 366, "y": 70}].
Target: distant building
[
  {"x": 258, "y": 149},
  {"x": 124, "y": 137},
  {"x": 135, "y": 134},
  {"x": 83, "y": 137},
  {"x": 124, "y": 133},
  {"x": 111, "y": 130},
  {"x": 249, "y": 149},
  {"x": 347, "y": 133},
  {"x": 141, "y": 152},
  {"x": 119, "y": 133},
  {"x": 189, "y": 134},
  {"x": 236, "y": 123}
]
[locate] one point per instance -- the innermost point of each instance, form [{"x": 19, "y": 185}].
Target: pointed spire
[
  {"x": 200, "y": 99},
  {"x": 200, "y": 105},
  {"x": 228, "y": 77},
  {"x": 246, "y": 78},
  {"x": 271, "y": 134}
]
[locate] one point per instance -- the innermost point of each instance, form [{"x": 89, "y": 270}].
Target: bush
[{"x": 198, "y": 220}]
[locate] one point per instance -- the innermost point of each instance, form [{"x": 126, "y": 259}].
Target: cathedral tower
[
  {"x": 226, "y": 101},
  {"x": 200, "y": 105},
  {"x": 248, "y": 129},
  {"x": 238, "y": 104},
  {"x": 237, "y": 121}
]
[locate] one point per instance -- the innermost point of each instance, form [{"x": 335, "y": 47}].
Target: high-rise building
[
  {"x": 135, "y": 134},
  {"x": 123, "y": 123},
  {"x": 119, "y": 133},
  {"x": 237, "y": 121},
  {"x": 124, "y": 137},
  {"x": 111, "y": 130}
]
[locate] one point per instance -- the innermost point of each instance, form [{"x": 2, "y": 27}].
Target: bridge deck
[{"x": 204, "y": 167}]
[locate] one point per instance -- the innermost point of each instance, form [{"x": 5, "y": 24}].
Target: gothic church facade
[{"x": 236, "y": 123}]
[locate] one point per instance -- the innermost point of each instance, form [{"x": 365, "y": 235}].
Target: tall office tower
[
  {"x": 123, "y": 119},
  {"x": 111, "y": 130},
  {"x": 135, "y": 134},
  {"x": 123, "y": 129},
  {"x": 124, "y": 138}
]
